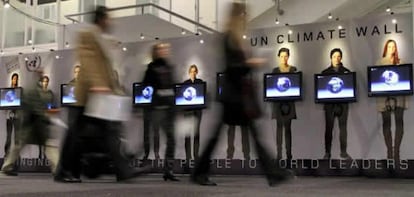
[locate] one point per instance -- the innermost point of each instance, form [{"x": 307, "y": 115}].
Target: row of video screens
[{"x": 382, "y": 81}]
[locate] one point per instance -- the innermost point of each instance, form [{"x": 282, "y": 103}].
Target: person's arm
[
  {"x": 149, "y": 76},
  {"x": 325, "y": 71},
  {"x": 346, "y": 70}
]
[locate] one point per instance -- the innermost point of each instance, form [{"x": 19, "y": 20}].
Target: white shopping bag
[{"x": 108, "y": 107}]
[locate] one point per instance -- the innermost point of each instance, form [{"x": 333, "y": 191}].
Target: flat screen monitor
[
  {"x": 190, "y": 95},
  {"x": 391, "y": 80},
  {"x": 142, "y": 94},
  {"x": 67, "y": 94},
  {"x": 11, "y": 98},
  {"x": 335, "y": 88},
  {"x": 282, "y": 86}
]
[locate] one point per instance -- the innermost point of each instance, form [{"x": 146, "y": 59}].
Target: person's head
[
  {"x": 283, "y": 55},
  {"x": 161, "y": 50},
  {"x": 237, "y": 16},
  {"x": 14, "y": 80},
  {"x": 101, "y": 18},
  {"x": 45, "y": 82},
  {"x": 76, "y": 71},
  {"x": 193, "y": 71},
  {"x": 391, "y": 51},
  {"x": 336, "y": 56}
]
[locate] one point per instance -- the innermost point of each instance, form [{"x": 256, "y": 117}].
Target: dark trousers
[
  {"x": 202, "y": 167},
  {"x": 286, "y": 124},
  {"x": 399, "y": 132},
  {"x": 165, "y": 119},
  {"x": 67, "y": 162},
  {"x": 12, "y": 123},
  {"x": 245, "y": 141},
  {"x": 341, "y": 112},
  {"x": 187, "y": 141},
  {"x": 148, "y": 128},
  {"x": 110, "y": 133}
]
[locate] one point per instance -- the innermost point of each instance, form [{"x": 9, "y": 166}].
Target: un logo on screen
[
  {"x": 189, "y": 93},
  {"x": 390, "y": 77},
  {"x": 147, "y": 92},
  {"x": 10, "y": 96},
  {"x": 283, "y": 84},
  {"x": 335, "y": 85}
]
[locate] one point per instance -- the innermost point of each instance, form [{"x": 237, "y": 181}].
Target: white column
[{"x": 3, "y": 28}]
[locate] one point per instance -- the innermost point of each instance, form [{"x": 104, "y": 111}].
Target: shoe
[
  {"x": 280, "y": 177},
  {"x": 66, "y": 179},
  {"x": 327, "y": 156},
  {"x": 229, "y": 156},
  {"x": 202, "y": 180},
  {"x": 145, "y": 158},
  {"x": 345, "y": 156},
  {"x": 10, "y": 173},
  {"x": 170, "y": 177},
  {"x": 133, "y": 174}
]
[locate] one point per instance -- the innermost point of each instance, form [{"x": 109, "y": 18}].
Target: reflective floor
[{"x": 38, "y": 184}]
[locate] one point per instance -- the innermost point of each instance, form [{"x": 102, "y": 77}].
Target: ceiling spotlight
[
  {"x": 6, "y": 4},
  {"x": 124, "y": 49},
  {"x": 201, "y": 41},
  {"x": 339, "y": 27},
  {"x": 67, "y": 44},
  {"x": 142, "y": 36},
  {"x": 244, "y": 36},
  {"x": 290, "y": 32},
  {"x": 1, "y": 52},
  {"x": 277, "y": 21},
  {"x": 33, "y": 49},
  {"x": 57, "y": 57},
  {"x": 388, "y": 9},
  {"x": 394, "y": 21},
  {"x": 29, "y": 41},
  {"x": 26, "y": 59},
  {"x": 183, "y": 32},
  {"x": 330, "y": 16},
  {"x": 156, "y": 38}
]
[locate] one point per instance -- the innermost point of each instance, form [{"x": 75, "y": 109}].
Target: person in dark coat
[
  {"x": 196, "y": 114},
  {"x": 160, "y": 75},
  {"x": 336, "y": 110},
  {"x": 284, "y": 112},
  {"x": 240, "y": 105}
]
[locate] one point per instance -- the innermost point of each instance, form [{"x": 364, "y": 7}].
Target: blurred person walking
[
  {"x": 240, "y": 106},
  {"x": 34, "y": 129},
  {"x": 160, "y": 75},
  {"x": 97, "y": 76}
]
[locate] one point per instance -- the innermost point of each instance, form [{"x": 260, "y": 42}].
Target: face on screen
[
  {"x": 335, "y": 86},
  {"x": 283, "y": 58},
  {"x": 279, "y": 86},
  {"x": 68, "y": 94},
  {"x": 336, "y": 58},
  {"x": 143, "y": 94},
  {"x": 189, "y": 94},
  {"x": 10, "y": 97},
  {"x": 390, "y": 79}
]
